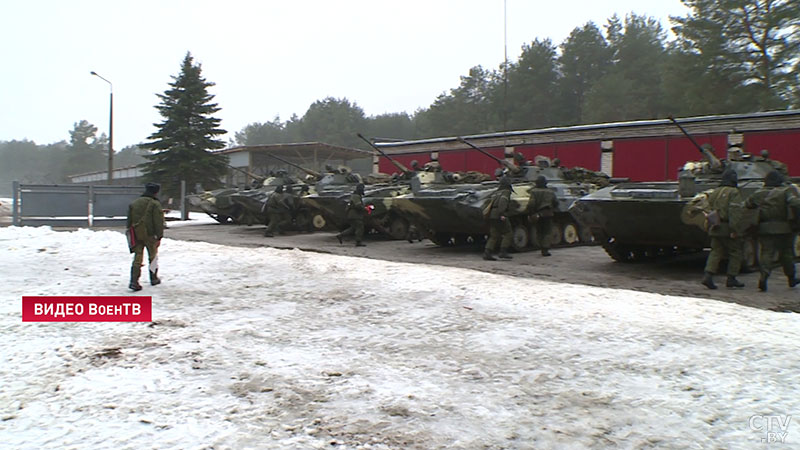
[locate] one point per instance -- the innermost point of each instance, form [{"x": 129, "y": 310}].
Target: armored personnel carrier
[
  {"x": 333, "y": 191},
  {"x": 448, "y": 207},
  {"x": 253, "y": 201},
  {"x": 644, "y": 220},
  {"x": 218, "y": 205}
]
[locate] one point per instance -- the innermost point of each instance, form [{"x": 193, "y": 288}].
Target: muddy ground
[{"x": 587, "y": 265}]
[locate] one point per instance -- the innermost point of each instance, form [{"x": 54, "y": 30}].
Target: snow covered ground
[{"x": 265, "y": 348}]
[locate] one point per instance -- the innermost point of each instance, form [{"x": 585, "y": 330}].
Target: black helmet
[
  {"x": 729, "y": 178},
  {"x": 541, "y": 181},
  {"x": 773, "y": 179},
  {"x": 279, "y": 189},
  {"x": 360, "y": 188},
  {"x": 152, "y": 188},
  {"x": 505, "y": 183}
]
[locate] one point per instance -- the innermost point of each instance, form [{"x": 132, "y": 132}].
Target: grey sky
[{"x": 267, "y": 58}]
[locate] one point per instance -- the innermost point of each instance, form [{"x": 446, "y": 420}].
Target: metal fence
[{"x": 71, "y": 205}]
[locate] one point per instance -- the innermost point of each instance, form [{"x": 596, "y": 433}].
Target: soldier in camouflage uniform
[
  {"x": 499, "y": 223},
  {"x": 147, "y": 219},
  {"x": 776, "y": 207},
  {"x": 279, "y": 210},
  {"x": 355, "y": 216},
  {"x": 542, "y": 206},
  {"x": 725, "y": 203}
]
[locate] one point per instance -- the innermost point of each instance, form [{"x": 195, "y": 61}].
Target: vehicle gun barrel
[
  {"x": 712, "y": 159},
  {"x": 313, "y": 173},
  {"x": 396, "y": 163},
  {"x": 248, "y": 173},
  {"x": 503, "y": 162}
]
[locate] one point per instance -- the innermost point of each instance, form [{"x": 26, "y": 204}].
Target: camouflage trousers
[
  {"x": 499, "y": 230},
  {"x": 356, "y": 229},
  {"x": 278, "y": 222},
  {"x": 721, "y": 246},
  {"x": 544, "y": 230},
  {"x": 776, "y": 250},
  {"x": 138, "y": 256}
]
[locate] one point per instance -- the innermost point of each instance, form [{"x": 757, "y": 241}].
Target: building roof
[
  {"x": 772, "y": 120},
  {"x": 326, "y": 151}
]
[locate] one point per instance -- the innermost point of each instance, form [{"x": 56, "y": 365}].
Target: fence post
[
  {"x": 184, "y": 211},
  {"x": 90, "y": 206},
  {"x": 15, "y": 204}
]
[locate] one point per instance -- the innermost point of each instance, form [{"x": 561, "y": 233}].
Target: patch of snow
[{"x": 283, "y": 348}]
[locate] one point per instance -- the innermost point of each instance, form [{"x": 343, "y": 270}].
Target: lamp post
[{"x": 110, "y": 127}]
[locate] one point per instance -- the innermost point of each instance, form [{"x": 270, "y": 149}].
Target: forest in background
[{"x": 726, "y": 56}]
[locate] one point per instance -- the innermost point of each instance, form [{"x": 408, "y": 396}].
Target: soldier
[
  {"x": 146, "y": 218},
  {"x": 541, "y": 208},
  {"x": 776, "y": 207},
  {"x": 279, "y": 210},
  {"x": 499, "y": 223},
  {"x": 724, "y": 221},
  {"x": 355, "y": 216}
]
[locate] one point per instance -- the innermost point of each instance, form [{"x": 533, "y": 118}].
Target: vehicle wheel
[
  {"x": 570, "y": 233},
  {"x": 585, "y": 234},
  {"x": 443, "y": 239},
  {"x": 519, "y": 237},
  {"x": 398, "y": 228},
  {"x": 303, "y": 221},
  {"x": 797, "y": 246},
  {"x": 318, "y": 221},
  {"x": 617, "y": 252},
  {"x": 557, "y": 236}
]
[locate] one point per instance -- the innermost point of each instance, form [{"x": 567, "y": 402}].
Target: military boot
[
  {"x": 732, "y": 282},
  {"x": 154, "y": 280},
  {"x": 134, "y": 284},
  {"x": 545, "y": 252},
  {"x": 793, "y": 282},
  {"x": 708, "y": 281},
  {"x": 339, "y": 238},
  {"x": 504, "y": 255},
  {"x": 487, "y": 255}
]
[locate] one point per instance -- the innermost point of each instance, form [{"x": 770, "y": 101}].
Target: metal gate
[{"x": 72, "y": 205}]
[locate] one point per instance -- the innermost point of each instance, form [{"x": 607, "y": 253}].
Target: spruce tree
[{"x": 184, "y": 139}]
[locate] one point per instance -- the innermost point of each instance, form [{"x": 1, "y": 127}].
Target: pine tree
[{"x": 186, "y": 135}]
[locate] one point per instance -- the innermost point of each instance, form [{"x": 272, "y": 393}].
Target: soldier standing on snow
[{"x": 146, "y": 218}]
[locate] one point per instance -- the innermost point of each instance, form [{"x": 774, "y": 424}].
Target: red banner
[{"x": 87, "y": 309}]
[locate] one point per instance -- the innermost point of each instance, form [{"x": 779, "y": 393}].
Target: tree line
[{"x": 727, "y": 56}]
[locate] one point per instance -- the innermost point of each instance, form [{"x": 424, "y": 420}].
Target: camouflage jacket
[
  {"x": 726, "y": 201},
  {"x": 145, "y": 215},
  {"x": 777, "y": 206},
  {"x": 501, "y": 200},
  {"x": 355, "y": 207},
  {"x": 542, "y": 199}
]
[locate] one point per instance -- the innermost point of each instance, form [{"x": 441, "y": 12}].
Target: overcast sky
[{"x": 267, "y": 58}]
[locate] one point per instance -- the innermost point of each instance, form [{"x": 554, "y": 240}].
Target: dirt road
[{"x": 578, "y": 265}]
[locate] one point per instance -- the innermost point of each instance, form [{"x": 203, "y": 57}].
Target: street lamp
[{"x": 110, "y": 127}]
